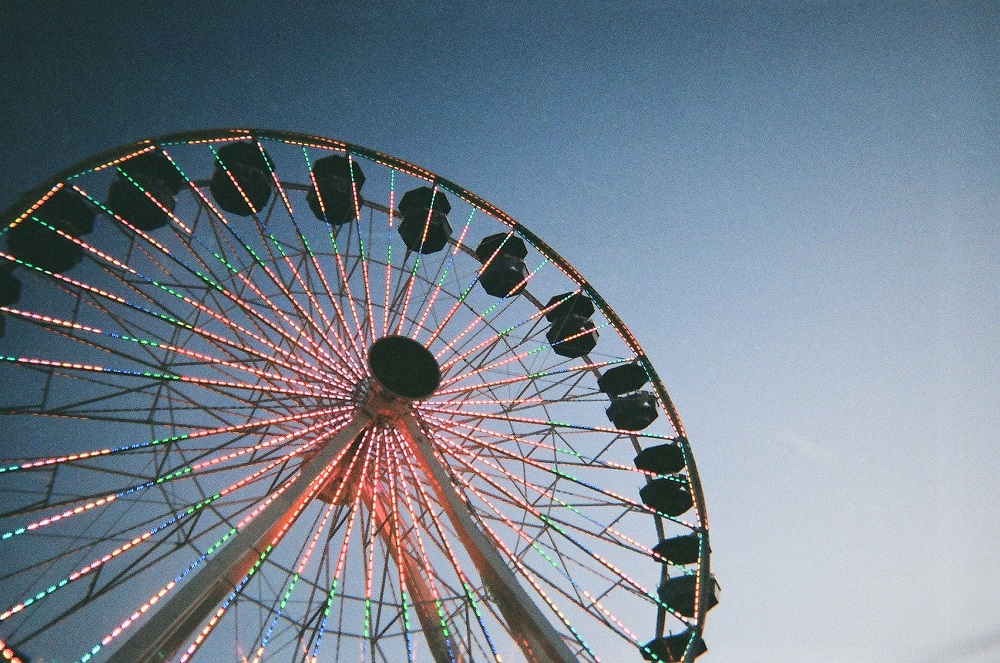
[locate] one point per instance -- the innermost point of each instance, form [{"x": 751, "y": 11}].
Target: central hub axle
[
  {"x": 402, "y": 371},
  {"x": 403, "y": 368}
]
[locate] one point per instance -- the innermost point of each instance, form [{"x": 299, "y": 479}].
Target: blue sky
[{"x": 792, "y": 205}]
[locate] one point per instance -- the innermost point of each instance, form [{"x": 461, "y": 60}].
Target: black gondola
[
  {"x": 572, "y": 336},
  {"x": 661, "y": 459},
  {"x": 671, "y": 648},
  {"x": 633, "y": 412},
  {"x": 244, "y": 185},
  {"x": 667, "y": 496},
  {"x": 505, "y": 274},
  {"x": 10, "y": 288},
  {"x": 680, "y": 550},
  {"x": 129, "y": 202},
  {"x": 679, "y": 593},
  {"x": 622, "y": 379},
  {"x": 331, "y": 199},
  {"x": 425, "y": 228},
  {"x": 568, "y": 304},
  {"x": 41, "y": 246}
]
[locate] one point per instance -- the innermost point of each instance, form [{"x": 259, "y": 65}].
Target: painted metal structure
[{"x": 201, "y": 457}]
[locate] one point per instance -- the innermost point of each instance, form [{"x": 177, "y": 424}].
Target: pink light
[
  {"x": 527, "y": 539},
  {"x": 425, "y": 560},
  {"x": 437, "y": 291},
  {"x": 427, "y": 407},
  {"x": 529, "y": 508},
  {"x": 416, "y": 263},
  {"x": 243, "y": 278},
  {"x": 542, "y": 491},
  {"x": 165, "y": 346},
  {"x": 221, "y": 318},
  {"x": 350, "y": 298},
  {"x": 309, "y": 293},
  {"x": 388, "y": 262},
  {"x": 455, "y": 306},
  {"x": 441, "y": 534},
  {"x": 522, "y": 378},
  {"x": 322, "y": 275},
  {"x": 449, "y": 345}
]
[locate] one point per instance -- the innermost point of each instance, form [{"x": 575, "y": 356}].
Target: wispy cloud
[
  {"x": 807, "y": 448},
  {"x": 968, "y": 650}
]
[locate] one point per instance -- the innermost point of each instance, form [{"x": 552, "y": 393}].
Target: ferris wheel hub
[
  {"x": 168, "y": 287},
  {"x": 403, "y": 369}
]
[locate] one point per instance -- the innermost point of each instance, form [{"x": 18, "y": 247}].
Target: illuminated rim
[{"x": 161, "y": 393}]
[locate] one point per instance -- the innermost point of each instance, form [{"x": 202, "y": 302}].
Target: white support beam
[
  {"x": 536, "y": 637},
  {"x": 420, "y": 594},
  {"x": 159, "y": 638}
]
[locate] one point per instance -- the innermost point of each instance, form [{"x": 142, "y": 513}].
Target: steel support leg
[
  {"x": 176, "y": 619},
  {"x": 536, "y": 637},
  {"x": 421, "y": 597}
]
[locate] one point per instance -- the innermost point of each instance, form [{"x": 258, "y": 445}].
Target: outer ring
[{"x": 27, "y": 202}]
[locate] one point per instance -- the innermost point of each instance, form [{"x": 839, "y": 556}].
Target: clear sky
[{"x": 794, "y": 206}]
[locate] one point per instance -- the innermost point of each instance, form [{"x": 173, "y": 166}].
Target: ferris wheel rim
[{"x": 223, "y": 135}]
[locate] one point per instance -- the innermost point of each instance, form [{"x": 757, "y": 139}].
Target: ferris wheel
[{"x": 268, "y": 396}]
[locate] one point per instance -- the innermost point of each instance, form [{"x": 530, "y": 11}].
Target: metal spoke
[{"x": 267, "y": 410}]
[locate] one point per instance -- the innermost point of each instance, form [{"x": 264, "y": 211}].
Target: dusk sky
[{"x": 793, "y": 206}]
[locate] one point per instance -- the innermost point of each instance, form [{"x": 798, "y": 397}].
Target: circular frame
[{"x": 203, "y": 191}]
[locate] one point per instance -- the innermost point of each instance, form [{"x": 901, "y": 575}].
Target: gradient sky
[{"x": 794, "y": 206}]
